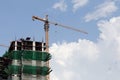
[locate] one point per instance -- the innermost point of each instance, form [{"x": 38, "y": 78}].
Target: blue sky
[
  {"x": 77, "y": 56},
  {"x": 16, "y": 21}
]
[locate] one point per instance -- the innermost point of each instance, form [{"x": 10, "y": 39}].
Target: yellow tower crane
[{"x": 46, "y": 28}]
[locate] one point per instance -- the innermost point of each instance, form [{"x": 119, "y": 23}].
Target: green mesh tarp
[
  {"x": 45, "y": 56},
  {"x": 30, "y": 55},
  {"x": 44, "y": 71},
  {"x": 7, "y": 71},
  {"x": 36, "y": 70},
  {"x": 14, "y": 69},
  {"x": 15, "y": 55},
  {"x": 34, "y": 55},
  {"x": 29, "y": 69}
]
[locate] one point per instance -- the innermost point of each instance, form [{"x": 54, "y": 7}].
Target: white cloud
[
  {"x": 88, "y": 49},
  {"x": 60, "y": 5},
  {"x": 110, "y": 34},
  {"x": 78, "y": 3},
  {"x": 87, "y": 60},
  {"x": 102, "y": 10}
]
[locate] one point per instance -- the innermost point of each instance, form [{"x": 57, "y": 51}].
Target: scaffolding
[{"x": 29, "y": 60}]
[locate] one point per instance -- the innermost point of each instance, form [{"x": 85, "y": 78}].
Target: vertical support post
[
  {"x": 21, "y": 61},
  {"x": 34, "y": 77},
  {"x": 15, "y": 45},
  {"x": 42, "y": 46},
  {"x": 33, "y": 46},
  {"x": 14, "y": 62}
]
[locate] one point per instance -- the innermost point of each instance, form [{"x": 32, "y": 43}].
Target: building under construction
[{"x": 25, "y": 60}]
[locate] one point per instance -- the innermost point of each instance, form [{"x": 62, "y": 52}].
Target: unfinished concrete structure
[{"x": 29, "y": 60}]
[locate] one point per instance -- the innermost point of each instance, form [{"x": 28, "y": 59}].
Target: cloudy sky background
[{"x": 75, "y": 56}]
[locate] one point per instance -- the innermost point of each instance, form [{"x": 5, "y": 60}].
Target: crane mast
[{"x": 46, "y": 28}]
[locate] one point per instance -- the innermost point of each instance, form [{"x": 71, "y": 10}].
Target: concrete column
[
  {"x": 34, "y": 77},
  {"x": 34, "y": 45},
  {"x": 42, "y": 46},
  {"x": 15, "y": 45}
]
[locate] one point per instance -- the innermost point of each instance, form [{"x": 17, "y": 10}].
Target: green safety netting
[
  {"x": 14, "y": 69},
  {"x": 15, "y": 55},
  {"x": 44, "y": 71},
  {"x": 36, "y": 70},
  {"x": 7, "y": 71},
  {"x": 34, "y": 55},
  {"x": 27, "y": 69},
  {"x": 30, "y": 55}
]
